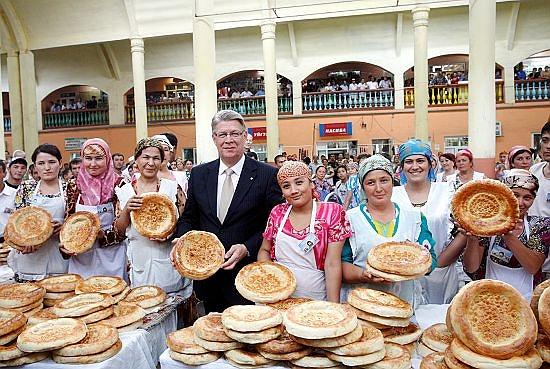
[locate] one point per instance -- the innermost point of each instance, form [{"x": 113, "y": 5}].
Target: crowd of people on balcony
[
  {"x": 76, "y": 104},
  {"x": 355, "y": 84},
  {"x": 536, "y": 73}
]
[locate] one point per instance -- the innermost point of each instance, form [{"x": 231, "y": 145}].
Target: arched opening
[
  {"x": 169, "y": 99},
  {"x": 244, "y": 91},
  {"x": 448, "y": 81},
  {"x": 75, "y": 106},
  {"x": 532, "y": 77},
  {"x": 348, "y": 86}
]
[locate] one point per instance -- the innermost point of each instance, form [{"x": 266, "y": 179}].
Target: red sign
[
  {"x": 258, "y": 133},
  {"x": 335, "y": 129}
]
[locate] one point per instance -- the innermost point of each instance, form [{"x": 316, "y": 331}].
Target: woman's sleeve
[
  {"x": 425, "y": 239},
  {"x": 22, "y": 195},
  {"x": 539, "y": 239},
  {"x": 272, "y": 224},
  {"x": 71, "y": 197},
  {"x": 339, "y": 227},
  {"x": 347, "y": 254}
]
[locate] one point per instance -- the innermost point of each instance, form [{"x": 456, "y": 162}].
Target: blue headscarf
[{"x": 415, "y": 147}]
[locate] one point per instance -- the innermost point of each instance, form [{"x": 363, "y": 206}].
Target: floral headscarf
[
  {"x": 521, "y": 178},
  {"x": 415, "y": 147},
  {"x": 516, "y": 150},
  {"x": 291, "y": 169},
  {"x": 96, "y": 190}
]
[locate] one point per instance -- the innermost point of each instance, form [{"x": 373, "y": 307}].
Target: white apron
[
  {"x": 310, "y": 281},
  {"x": 364, "y": 238},
  {"x": 150, "y": 260},
  {"x": 47, "y": 260},
  {"x": 110, "y": 261},
  {"x": 519, "y": 278}
]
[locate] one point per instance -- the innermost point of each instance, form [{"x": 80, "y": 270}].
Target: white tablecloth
[
  {"x": 166, "y": 362},
  {"x": 6, "y": 274}
]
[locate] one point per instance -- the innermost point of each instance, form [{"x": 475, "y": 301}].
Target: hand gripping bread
[
  {"x": 79, "y": 231},
  {"x": 28, "y": 226},
  {"x": 379, "y": 303},
  {"x": 250, "y": 318},
  {"x": 51, "y": 335},
  {"x": 402, "y": 258},
  {"x": 265, "y": 282},
  {"x": 157, "y": 216},
  {"x": 198, "y": 255}
]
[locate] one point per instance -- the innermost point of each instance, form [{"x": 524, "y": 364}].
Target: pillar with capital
[
  {"x": 140, "y": 98},
  {"x": 28, "y": 100},
  {"x": 481, "y": 99},
  {"x": 16, "y": 113},
  {"x": 420, "y": 24},
  {"x": 270, "y": 81}
]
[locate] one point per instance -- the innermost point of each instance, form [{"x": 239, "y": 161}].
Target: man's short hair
[
  {"x": 117, "y": 154},
  {"x": 3, "y": 165},
  {"x": 545, "y": 128},
  {"x": 18, "y": 160},
  {"x": 278, "y": 157},
  {"x": 225, "y": 115},
  {"x": 74, "y": 161}
]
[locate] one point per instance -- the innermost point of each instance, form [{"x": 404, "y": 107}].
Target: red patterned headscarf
[{"x": 99, "y": 189}]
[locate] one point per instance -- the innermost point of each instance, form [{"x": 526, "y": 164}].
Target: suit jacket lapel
[
  {"x": 212, "y": 187},
  {"x": 246, "y": 179}
]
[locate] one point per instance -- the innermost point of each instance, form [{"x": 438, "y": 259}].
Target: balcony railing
[
  {"x": 531, "y": 90},
  {"x": 7, "y": 123},
  {"x": 75, "y": 118},
  {"x": 450, "y": 94},
  {"x": 348, "y": 100},
  {"x": 255, "y": 105},
  {"x": 174, "y": 111}
]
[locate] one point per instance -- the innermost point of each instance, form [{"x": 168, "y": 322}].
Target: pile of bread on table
[{"x": 73, "y": 320}]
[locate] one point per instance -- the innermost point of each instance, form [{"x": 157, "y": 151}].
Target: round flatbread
[
  {"x": 371, "y": 341},
  {"x": 10, "y": 352},
  {"x": 379, "y": 303},
  {"x": 120, "y": 296},
  {"x": 58, "y": 295},
  {"x": 130, "y": 327},
  {"x": 537, "y": 291},
  {"x": 217, "y": 346},
  {"x": 42, "y": 316},
  {"x": 434, "y": 361},
  {"x": 28, "y": 226},
  {"x": 319, "y": 319},
  {"x": 402, "y": 335},
  {"x": 327, "y": 343},
  {"x": 485, "y": 207},
  {"x": 96, "y": 316},
  {"x": 389, "y": 322},
  {"x": 51, "y": 335},
  {"x": 253, "y": 338},
  {"x": 390, "y": 276},
  {"x": 437, "y": 337},
  {"x": 280, "y": 345},
  {"x": 79, "y": 231},
  {"x": 198, "y": 255},
  {"x": 7, "y": 338},
  {"x": 146, "y": 296},
  {"x": 265, "y": 282},
  {"x": 358, "y": 360},
  {"x": 316, "y": 360},
  {"x": 29, "y": 307},
  {"x": 210, "y": 328},
  {"x": 492, "y": 318},
  {"x": 197, "y": 359},
  {"x": 529, "y": 360},
  {"x": 20, "y": 294},
  {"x": 452, "y": 362},
  {"x": 89, "y": 359},
  {"x": 288, "y": 356},
  {"x": 183, "y": 341},
  {"x": 247, "y": 357},
  {"x": 11, "y": 320},
  {"x": 397, "y": 357},
  {"x": 103, "y": 284},
  {"x": 250, "y": 318},
  {"x": 286, "y": 304},
  {"x": 83, "y": 304},
  {"x": 100, "y": 337},
  {"x": 543, "y": 347},
  {"x": 125, "y": 314},
  {"x": 423, "y": 350},
  {"x": 544, "y": 310},
  {"x": 60, "y": 283},
  {"x": 402, "y": 258},
  {"x": 157, "y": 216},
  {"x": 27, "y": 359}
]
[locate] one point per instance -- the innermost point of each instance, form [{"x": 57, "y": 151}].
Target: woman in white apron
[
  {"x": 306, "y": 236},
  {"x": 149, "y": 259},
  {"x": 419, "y": 191},
  {"x": 517, "y": 256},
  {"x": 378, "y": 221},
  {"x": 49, "y": 194},
  {"x": 94, "y": 190}
]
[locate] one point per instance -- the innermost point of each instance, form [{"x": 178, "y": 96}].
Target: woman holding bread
[
  {"x": 35, "y": 263},
  {"x": 306, "y": 235},
  {"x": 93, "y": 190},
  {"x": 377, "y": 221},
  {"x": 149, "y": 259}
]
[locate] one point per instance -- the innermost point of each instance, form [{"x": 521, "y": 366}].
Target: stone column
[
  {"x": 206, "y": 99},
  {"x": 297, "y": 104},
  {"x": 420, "y": 24},
  {"x": 2, "y": 133},
  {"x": 31, "y": 123},
  {"x": 509, "y": 85},
  {"x": 270, "y": 80},
  {"x": 16, "y": 112},
  {"x": 399, "y": 92},
  {"x": 140, "y": 98},
  {"x": 481, "y": 99}
]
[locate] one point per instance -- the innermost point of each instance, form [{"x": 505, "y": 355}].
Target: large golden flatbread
[
  {"x": 437, "y": 337},
  {"x": 330, "y": 342},
  {"x": 319, "y": 319},
  {"x": 146, "y": 296},
  {"x": 452, "y": 362},
  {"x": 379, "y": 303},
  {"x": 253, "y": 338},
  {"x": 10, "y": 321},
  {"x": 402, "y": 335},
  {"x": 42, "y": 316},
  {"x": 286, "y": 304},
  {"x": 183, "y": 341},
  {"x": 397, "y": 357},
  {"x": 89, "y": 359},
  {"x": 373, "y": 318},
  {"x": 198, "y": 254},
  {"x": 250, "y": 318},
  {"x": 544, "y": 310},
  {"x": 79, "y": 231},
  {"x": 103, "y": 284},
  {"x": 195, "y": 359},
  {"x": 245, "y": 356},
  {"x": 60, "y": 283},
  {"x": 27, "y": 359},
  {"x": 390, "y": 277},
  {"x": 125, "y": 314},
  {"x": 371, "y": 341},
  {"x": 99, "y": 338},
  {"x": 210, "y": 328},
  {"x": 280, "y": 345},
  {"x": 51, "y": 335},
  {"x": 485, "y": 207},
  {"x": 537, "y": 291},
  {"x": 492, "y": 318},
  {"x": 28, "y": 226},
  {"x": 403, "y": 258},
  {"x": 265, "y": 282},
  {"x": 83, "y": 304},
  {"x": 20, "y": 294},
  {"x": 216, "y": 345},
  {"x": 7, "y": 338},
  {"x": 157, "y": 216}
]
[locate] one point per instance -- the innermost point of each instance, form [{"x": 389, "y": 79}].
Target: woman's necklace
[{"x": 418, "y": 204}]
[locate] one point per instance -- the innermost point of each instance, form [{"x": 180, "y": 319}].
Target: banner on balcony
[
  {"x": 335, "y": 129},
  {"x": 74, "y": 143},
  {"x": 258, "y": 133}
]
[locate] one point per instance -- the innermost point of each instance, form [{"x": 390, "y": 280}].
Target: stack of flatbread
[
  {"x": 380, "y": 309},
  {"x": 398, "y": 261},
  {"x": 28, "y": 226},
  {"x": 59, "y": 287},
  {"x": 540, "y": 303},
  {"x": 436, "y": 338},
  {"x": 209, "y": 333},
  {"x": 126, "y": 317},
  {"x": 114, "y": 286},
  {"x": 265, "y": 282},
  {"x": 88, "y": 307},
  {"x": 286, "y": 304},
  {"x": 147, "y": 297},
  {"x": 247, "y": 358},
  {"x": 493, "y": 326},
  {"x": 4, "y": 251},
  {"x": 24, "y": 297},
  {"x": 198, "y": 255},
  {"x": 252, "y": 324},
  {"x": 183, "y": 348},
  {"x": 12, "y": 323}
]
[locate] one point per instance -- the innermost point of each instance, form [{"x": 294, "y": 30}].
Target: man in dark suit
[{"x": 239, "y": 227}]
